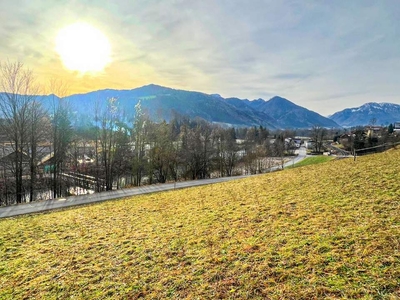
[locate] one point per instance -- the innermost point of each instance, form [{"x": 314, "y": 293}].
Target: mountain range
[
  {"x": 162, "y": 103},
  {"x": 368, "y": 113},
  {"x": 276, "y": 113}
]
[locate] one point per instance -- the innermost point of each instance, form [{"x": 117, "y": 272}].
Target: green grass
[
  {"x": 312, "y": 161},
  {"x": 328, "y": 231}
]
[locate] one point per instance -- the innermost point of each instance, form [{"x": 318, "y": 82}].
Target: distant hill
[
  {"x": 244, "y": 106},
  {"x": 383, "y": 113},
  {"x": 162, "y": 103},
  {"x": 289, "y": 115}
]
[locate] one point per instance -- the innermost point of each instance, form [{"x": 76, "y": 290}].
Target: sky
[{"x": 323, "y": 55}]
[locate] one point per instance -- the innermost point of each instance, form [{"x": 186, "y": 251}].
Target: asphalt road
[
  {"x": 301, "y": 154},
  {"x": 41, "y": 206},
  {"x": 340, "y": 152}
]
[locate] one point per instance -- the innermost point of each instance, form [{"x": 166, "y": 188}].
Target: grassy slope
[
  {"x": 322, "y": 231},
  {"x": 313, "y": 160}
]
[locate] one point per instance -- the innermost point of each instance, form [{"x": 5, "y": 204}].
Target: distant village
[{"x": 196, "y": 150}]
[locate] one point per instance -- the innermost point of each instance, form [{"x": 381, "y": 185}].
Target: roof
[{"x": 12, "y": 156}]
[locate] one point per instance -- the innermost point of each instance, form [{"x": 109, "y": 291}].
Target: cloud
[{"x": 304, "y": 51}]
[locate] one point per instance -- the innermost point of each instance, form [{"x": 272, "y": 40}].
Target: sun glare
[{"x": 83, "y": 48}]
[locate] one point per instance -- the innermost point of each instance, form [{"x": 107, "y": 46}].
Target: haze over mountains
[
  {"x": 276, "y": 113},
  {"x": 162, "y": 102}
]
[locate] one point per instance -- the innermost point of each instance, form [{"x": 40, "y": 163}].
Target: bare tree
[
  {"x": 17, "y": 103},
  {"x": 108, "y": 140},
  {"x": 139, "y": 136},
  {"x": 197, "y": 150},
  {"x": 279, "y": 148},
  {"x": 123, "y": 155},
  {"x": 229, "y": 151},
  {"x": 61, "y": 132},
  {"x": 39, "y": 129},
  {"x": 318, "y": 134},
  {"x": 161, "y": 152},
  {"x": 96, "y": 144}
]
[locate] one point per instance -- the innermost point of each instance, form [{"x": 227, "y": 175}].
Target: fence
[{"x": 375, "y": 149}]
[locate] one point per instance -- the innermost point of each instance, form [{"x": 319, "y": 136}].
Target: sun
[{"x": 83, "y": 48}]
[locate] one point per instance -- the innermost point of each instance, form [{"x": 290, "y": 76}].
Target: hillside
[
  {"x": 383, "y": 113},
  {"x": 289, "y": 115},
  {"x": 244, "y": 107},
  {"x": 163, "y": 102},
  {"x": 324, "y": 231}
]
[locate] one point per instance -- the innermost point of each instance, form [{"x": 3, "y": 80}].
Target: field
[
  {"x": 328, "y": 231},
  {"x": 313, "y": 160}
]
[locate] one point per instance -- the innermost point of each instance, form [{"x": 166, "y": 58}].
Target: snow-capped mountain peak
[{"x": 381, "y": 113}]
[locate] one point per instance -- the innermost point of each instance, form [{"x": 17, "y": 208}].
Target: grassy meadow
[
  {"x": 312, "y": 160},
  {"x": 327, "y": 231}
]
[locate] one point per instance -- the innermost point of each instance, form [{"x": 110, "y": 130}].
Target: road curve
[{"x": 301, "y": 154}]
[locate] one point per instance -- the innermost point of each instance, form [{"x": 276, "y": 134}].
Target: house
[
  {"x": 297, "y": 142},
  {"x": 310, "y": 144},
  {"x": 345, "y": 138},
  {"x": 396, "y": 127},
  {"x": 7, "y": 164},
  {"x": 374, "y": 131}
]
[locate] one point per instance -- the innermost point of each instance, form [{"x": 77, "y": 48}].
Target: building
[
  {"x": 310, "y": 144},
  {"x": 374, "y": 131},
  {"x": 396, "y": 127}
]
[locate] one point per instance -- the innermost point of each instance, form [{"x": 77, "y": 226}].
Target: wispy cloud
[{"x": 307, "y": 52}]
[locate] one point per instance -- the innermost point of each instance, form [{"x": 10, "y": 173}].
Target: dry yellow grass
[{"x": 323, "y": 231}]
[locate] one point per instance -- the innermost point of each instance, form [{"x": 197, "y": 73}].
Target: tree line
[{"x": 41, "y": 150}]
